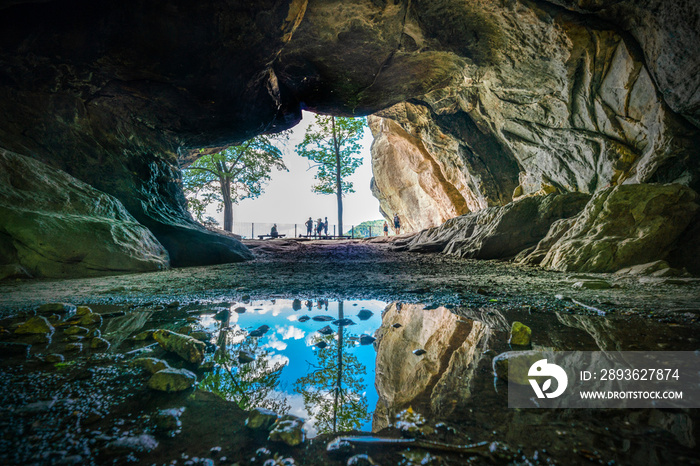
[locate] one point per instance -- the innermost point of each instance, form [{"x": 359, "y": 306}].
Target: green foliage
[
  {"x": 251, "y": 385},
  {"x": 236, "y": 173},
  {"x": 363, "y": 229},
  {"x": 320, "y": 387},
  {"x": 326, "y": 137}
]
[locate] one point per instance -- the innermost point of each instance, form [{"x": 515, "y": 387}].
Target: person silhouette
[{"x": 309, "y": 226}]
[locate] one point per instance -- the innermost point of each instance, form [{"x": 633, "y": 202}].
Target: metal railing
[{"x": 254, "y": 230}]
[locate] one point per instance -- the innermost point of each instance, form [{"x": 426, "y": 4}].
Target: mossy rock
[{"x": 172, "y": 380}]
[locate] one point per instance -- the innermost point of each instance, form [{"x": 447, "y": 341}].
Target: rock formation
[
  {"x": 483, "y": 101},
  {"x": 498, "y": 232},
  {"x": 56, "y": 226}
]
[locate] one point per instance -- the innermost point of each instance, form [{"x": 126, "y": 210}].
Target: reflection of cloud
[
  {"x": 279, "y": 359},
  {"x": 296, "y": 407},
  {"x": 275, "y": 312},
  {"x": 292, "y": 318},
  {"x": 275, "y": 344},
  {"x": 236, "y": 335},
  {"x": 290, "y": 332}
]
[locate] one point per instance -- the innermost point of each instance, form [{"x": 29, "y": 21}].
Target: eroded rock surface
[
  {"x": 54, "y": 225},
  {"x": 624, "y": 226},
  {"x": 499, "y": 232}
]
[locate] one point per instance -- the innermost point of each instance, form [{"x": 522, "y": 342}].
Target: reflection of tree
[
  {"x": 333, "y": 389},
  {"x": 249, "y": 385}
]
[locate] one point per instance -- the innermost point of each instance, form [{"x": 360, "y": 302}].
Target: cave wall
[
  {"x": 562, "y": 101},
  {"x": 488, "y": 100}
]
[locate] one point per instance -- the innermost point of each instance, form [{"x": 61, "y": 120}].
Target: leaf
[{"x": 546, "y": 385}]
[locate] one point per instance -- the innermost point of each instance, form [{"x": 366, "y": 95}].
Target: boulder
[
  {"x": 624, "y": 226},
  {"x": 261, "y": 418},
  {"x": 288, "y": 429},
  {"x": 35, "y": 325},
  {"x": 152, "y": 365},
  {"x": 499, "y": 232},
  {"x": 172, "y": 380},
  {"x": 520, "y": 334},
  {"x": 186, "y": 347},
  {"x": 58, "y": 226},
  {"x": 515, "y": 365}
]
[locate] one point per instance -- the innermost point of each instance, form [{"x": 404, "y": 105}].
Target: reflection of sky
[{"x": 290, "y": 342}]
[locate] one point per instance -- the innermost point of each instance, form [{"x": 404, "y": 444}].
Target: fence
[{"x": 296, "y": 230}]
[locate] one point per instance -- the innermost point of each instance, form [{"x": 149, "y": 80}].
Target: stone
[
  {"x": 261, "y": 418},
  {"x": 91, "y": 318},
  {"x": 76, "y": 330},
  {"x": 365, "y": 314},
  {"x": 239, "y": 310},
  {"x": 321, "y": 344},
  {"x": 520, "y": 334},
  {"x": 322, "y": 318},
  {"x": 644, "y": 269},
  {"x": 83, "y": 310},
  {"x": 35, "y": 325},
  {"x": 419, "y": 352},
  {"x": 592, "y": 285},
  {"x": 360, "y": 460},
  {"x": 186, "y": 347},
  {"x": 366, "y": 339},
  {"x": 260, "y": 331},
  {"x": 152, "y": 365},
  {"x": 513, "y": 366},
  {"x": 59, "y": 226},
  {"x": 144, "y": 336},
  {"x": 94, "y": 333},
  {"x": 343, "y": 322},
  {"x": 99, "y": 343},
  {"x": 54, "y": 358},
  {"x": 624, "y": 226},
  {"x": 499, "y": 232},
  {"x": 61, "y": 308},
  {"x": 327, "y": 330},
  {"x": 172, "y": 380},
  {"x": 168, "y": 420},
  {"x": 288, "y": 429},
  {"x": 245, "y": 357},
  {"x": 74, "y": 347},
  {"x": 304, "y": 319},
  {"x": 201, "y": 336}
]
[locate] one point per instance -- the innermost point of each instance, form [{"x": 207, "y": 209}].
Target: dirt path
[{"x": 362, "y": 269}]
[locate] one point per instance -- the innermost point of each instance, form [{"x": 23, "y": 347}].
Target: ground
[
  {"x": 94, "y": 407},
  {"x": 363, "y": 269}
]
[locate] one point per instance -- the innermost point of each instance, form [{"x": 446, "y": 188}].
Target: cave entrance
[{"x": 273, "y": 185}]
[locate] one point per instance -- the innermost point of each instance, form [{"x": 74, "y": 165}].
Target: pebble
[
  {"x": 99, "y": 343},
  {"x": 326, "y": 330},
  {"x": 172, "y": 380},
  {"x": 76, "y": 330},
  {"x": 520, "y": 334}
]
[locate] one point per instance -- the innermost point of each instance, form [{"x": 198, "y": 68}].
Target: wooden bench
[{"x": 270, "y": 236}]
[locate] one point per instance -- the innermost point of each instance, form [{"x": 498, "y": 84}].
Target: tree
[
  {"x": 334, "y": 388},
  {"x": 331, "y": 142},
  {"x": 236, "y": 173}
]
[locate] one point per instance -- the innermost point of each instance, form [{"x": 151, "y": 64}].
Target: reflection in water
[{"x": 333, "y": 388}]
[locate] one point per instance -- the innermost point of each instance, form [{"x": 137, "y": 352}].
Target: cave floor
[
  {"x": 371, "y": 270},
  {"x": 94, "y": 407}
]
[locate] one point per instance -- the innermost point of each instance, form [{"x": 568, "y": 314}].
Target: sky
[{"x": 288, "y": 198}]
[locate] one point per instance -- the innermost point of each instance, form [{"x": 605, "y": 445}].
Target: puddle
[{"x": 303, "y": 358}]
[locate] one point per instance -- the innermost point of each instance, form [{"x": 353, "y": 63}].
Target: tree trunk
[
  {"x": 228, "y": 204},
  {"x": 338, "y": 179},
  {"x": 339, "y": 377}
]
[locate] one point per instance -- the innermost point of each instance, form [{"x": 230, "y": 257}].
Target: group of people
[{"x": 321, "y": 226}]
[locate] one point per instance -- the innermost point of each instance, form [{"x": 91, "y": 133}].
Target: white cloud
[{"x": 290, "y": 332}]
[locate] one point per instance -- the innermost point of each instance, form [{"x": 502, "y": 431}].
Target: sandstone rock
[
  {"x": 172, "y": 380},
  {"x": 152, "y": 365},
  {"x": 288, "y": 429},
  {"x": 184, "y": 346},
  {"x": 499, "y": 232},
  {"x": 59, "y": 226},
  {"x": 61, "y": 308},
  {"x": 624, "y": 226},
  {"x": 99, "y": 343},
  {"x": 556, "y": 231},
  {"x": 76, "y": 330},
  {"x": 261, "y": 418},
  {"x": 520, "y": 334},
  {"x": 514, "y": 365},
  {"x": 592, "y": 285},
  {"x": 35, "y": 325}
]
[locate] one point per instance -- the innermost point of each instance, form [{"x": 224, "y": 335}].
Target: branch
[{"x": 203, "y": 169}]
